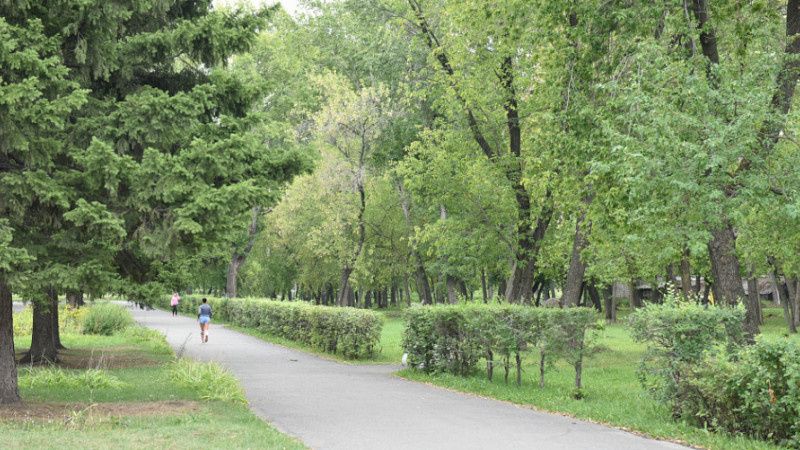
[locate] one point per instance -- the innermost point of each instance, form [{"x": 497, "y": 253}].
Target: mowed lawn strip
[{"x": 148, "y": 410}]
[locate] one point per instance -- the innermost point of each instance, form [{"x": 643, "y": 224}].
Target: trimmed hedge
[
  {"x": 355, "y": 333},
  {"x": 453, "y": 338}
]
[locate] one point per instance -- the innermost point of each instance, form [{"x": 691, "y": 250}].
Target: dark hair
[{"x": 204, "y": 300}]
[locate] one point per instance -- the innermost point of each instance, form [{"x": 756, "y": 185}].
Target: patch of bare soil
[{"x": 65, "y": 411}]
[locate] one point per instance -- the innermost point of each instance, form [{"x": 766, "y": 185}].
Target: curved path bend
[{"x": 329, "y": 405}]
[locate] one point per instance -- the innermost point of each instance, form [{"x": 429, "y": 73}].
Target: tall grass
[
  {"x": 106, "y": 319},
  {"x": 35, "y": 377},
  {"x": 211, "y": 380}
]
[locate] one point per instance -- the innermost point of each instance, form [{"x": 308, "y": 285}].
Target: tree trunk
[
  {"x": 796, "y": 304},
  {"x": 787, "y": 309},
  {"x": 237, "y": 259},
  {"x": 56, "y": 330},
  {"x": 9, "y": 387},
  {"x": 791, "y": 285},
  {"x": 673, "y": 279},
  {"x": 776, "y": 292},
  {"x": 408, "y": 290},
  {"x": 577, "y": 266},
  {"x": 752, "y": 294},
  {"x": 594, "y": 296},
  {"x": 43, "y": 349},
  {"x": 423, "y": 288},
  {"x": 785, "y": 295},
  {"x": 344, "y": 286},
  {"x": 686, "y": 276},
  {"x": 632, "y": 295},
  {"x": 519, "y": 286},
  {"x": 728, "y": 287},
  {"x": 75, "y": 298},
  {"x": 452, "y": 293},
  {"x": 611, "y": 303},
  {"x": 344, "y": 283},
  {"x": 484, "y": 292}
]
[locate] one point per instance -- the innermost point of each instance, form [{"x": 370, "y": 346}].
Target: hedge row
[
  {"x": 454, "y": 338},
  {"x": 696, "y": 363},
  {"x": 355, "y": 333}
]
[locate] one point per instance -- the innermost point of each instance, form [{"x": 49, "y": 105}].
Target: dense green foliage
[
  {"x": 680, "y": 335},
  {"x": 453, "y": 339},
  {"x": 351, "y": 332},
  {"x": 695, "y": 364}
]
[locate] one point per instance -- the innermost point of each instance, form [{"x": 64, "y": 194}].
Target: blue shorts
[{"x": 205, "y": 319}]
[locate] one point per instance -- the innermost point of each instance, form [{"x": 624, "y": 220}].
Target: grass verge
[{"x": 127, "y": 391}]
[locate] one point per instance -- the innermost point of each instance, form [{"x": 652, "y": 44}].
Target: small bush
[
  {"x": 210, "y": 379},
  {"x": 106, "y": 319},
  {"x": 757, "y": 395},
  {"x": 679, "y": 336},
  {"x": 695, "y": 364}
]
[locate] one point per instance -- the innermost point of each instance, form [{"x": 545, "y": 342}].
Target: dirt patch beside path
[{"x": 65, "y": 411}]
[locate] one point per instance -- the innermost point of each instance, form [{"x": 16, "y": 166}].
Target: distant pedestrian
[
  {"x": 175, "y": 299},
  {"x": 204, "y": 317}
]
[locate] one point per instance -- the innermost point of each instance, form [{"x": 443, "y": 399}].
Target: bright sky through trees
[{"x": 290, "y": 6}]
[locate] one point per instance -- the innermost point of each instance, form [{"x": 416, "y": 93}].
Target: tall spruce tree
[
  {"x": 161, "y": 158},
  {"x": 36, "y": 98}
]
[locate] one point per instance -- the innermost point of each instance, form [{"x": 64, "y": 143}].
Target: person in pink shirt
[{"x": 175, "y": 299}]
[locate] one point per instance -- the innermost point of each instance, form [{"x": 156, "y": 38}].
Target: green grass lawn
[
  {"x": 149, "y": 409},
  {"x": 613, "y": 394}
]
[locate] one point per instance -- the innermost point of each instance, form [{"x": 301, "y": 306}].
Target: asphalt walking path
[{"x": 330, "y": 405}]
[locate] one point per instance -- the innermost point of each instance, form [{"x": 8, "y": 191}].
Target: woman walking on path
[
  {"x": 175, "y": 299},
  {"x": 204, "y": 316}
]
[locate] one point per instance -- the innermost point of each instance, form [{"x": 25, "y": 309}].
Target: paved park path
[{"x": 329, "y": 405}]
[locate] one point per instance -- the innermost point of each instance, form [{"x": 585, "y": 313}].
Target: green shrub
[
  {"x": 764, "y": 389},
  {"x": 758, "y": 394},
  {"x": 680, "y": 336},
  {"x": 211, "y": 380},
  {"x": 694, "y": 362},
  {"x": 106, "y": 319}
]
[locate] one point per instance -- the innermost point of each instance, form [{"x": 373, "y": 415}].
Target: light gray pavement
[{"x": 329, "y": 405}]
